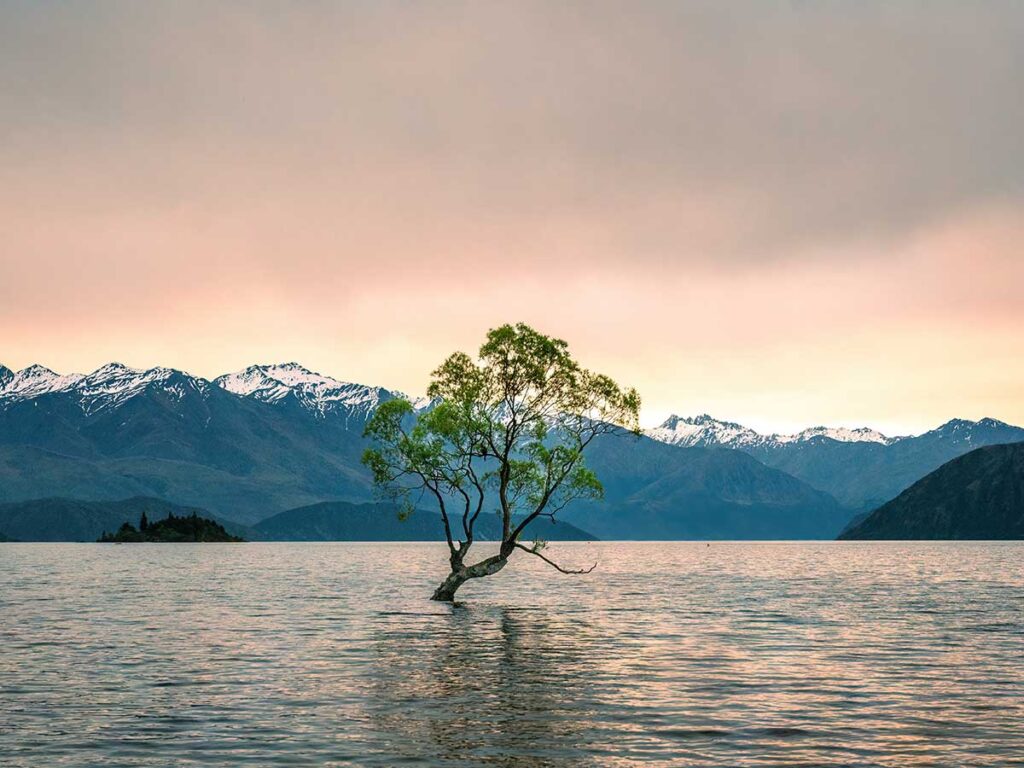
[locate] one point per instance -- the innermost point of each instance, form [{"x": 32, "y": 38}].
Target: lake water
[{"x": 678, "y": 654}]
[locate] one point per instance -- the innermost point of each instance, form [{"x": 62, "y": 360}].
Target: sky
[{"x": 780, "y": 213}]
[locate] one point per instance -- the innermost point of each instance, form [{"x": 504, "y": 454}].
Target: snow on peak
[
  {"x": 105, "y": 388},
  {"x": 706, "y": 431},
  {"x": 114, "y": 384},
  {"x": 422, "y": 403},
  {"x": 32, "y": 382},
  {"x": 839, "y": 434},
  {"x": 253, "y": 381},
  {"x": 703, "y": 430},
  {"x": 317, "y": 393}
]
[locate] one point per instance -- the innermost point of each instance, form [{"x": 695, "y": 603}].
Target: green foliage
[
  {"x": 173, "y": 528},
  {"x": 508, "y": 430}
]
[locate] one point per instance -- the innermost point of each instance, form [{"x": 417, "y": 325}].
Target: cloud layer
[{"x": 784, "y": 212}]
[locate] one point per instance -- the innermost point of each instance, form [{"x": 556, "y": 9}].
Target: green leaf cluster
[{"x": 507, "y": 432}]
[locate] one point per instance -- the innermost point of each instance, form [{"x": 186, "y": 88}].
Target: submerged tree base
[{"x": 445, "y": 593}]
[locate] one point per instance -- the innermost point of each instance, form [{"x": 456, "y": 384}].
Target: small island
[{"x": 172, "y": 528}]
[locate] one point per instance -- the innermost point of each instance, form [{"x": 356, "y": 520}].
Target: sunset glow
[{"x": 803, "y": 214}]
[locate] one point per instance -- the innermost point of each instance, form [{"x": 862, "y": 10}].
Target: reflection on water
[
  {"x": 669, "y": 654},
  {"x": 505, "y": 685}
]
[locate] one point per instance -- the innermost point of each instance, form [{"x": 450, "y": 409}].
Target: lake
[{"x": 753, "y": 654}]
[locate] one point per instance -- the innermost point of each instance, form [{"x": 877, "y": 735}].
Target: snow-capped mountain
[
  {"x": 321, "y": 395},
  {"x": 859, "y": 467},
  {"x": 111, "y": 386},
  {"x": 114, "y": 384},
  {"x": 106, "y": 388},
  {"x": 33, "y": 381},
  {"x": 706, "y": 431},
  {"x": 272, "y": 437},
  {"x": 839, "y": 434}
]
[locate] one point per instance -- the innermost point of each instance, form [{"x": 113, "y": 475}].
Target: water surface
[{"x": 775, "y": 654}]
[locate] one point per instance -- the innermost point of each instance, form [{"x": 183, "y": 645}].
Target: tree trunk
[{"x": 445, "y": 593}]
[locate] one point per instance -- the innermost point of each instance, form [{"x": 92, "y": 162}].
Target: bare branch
[{"x": 553, "y": 564}]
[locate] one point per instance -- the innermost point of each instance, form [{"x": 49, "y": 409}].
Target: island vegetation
[
  {"x": 173, "y": 528},
  {"x": 507, "y": 434}
]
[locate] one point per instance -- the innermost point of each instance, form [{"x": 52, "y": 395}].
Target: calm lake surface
[{"x": 823, "y": 653}]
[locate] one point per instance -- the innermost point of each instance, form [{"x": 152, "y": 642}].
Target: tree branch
[
  {"x": 481, "y": 495},
  {"x": 539, "y": 509},
  {"x": 553, "y": 564},
  {"x": 444, "y": 518}
]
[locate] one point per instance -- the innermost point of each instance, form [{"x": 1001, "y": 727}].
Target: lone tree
[{"x": 508, "y": 432}]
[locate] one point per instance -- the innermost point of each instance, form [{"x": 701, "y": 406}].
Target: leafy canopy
[{"x": 507, "y": 429}]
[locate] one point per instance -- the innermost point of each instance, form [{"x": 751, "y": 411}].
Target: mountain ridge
[
  {"x": 979, "y": 496},
  {"x": 114, "y": 383},
  {"x": 861, "y": 468},
  {"x": 273, "y": 382},
  {"x": 290, "y": 437},
  {"x": 706, "y": 431},
  {"x": 278, "y": 436}
]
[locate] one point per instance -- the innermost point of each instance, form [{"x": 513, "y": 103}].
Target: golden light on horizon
[{"x": 798, "y": 235}]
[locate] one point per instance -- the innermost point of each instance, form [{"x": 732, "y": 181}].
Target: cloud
[{"x": 708, "y": 180}]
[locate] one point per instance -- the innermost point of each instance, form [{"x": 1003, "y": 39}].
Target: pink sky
[{"x": 781, "y": 214}]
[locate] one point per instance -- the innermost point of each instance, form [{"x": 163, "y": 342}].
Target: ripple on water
[{"x": 748, "y": 654}]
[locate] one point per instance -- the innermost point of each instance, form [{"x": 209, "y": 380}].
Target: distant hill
[
  {"x": 979, "y": 495},
  {"x": 76, "y": 520},
  {"x": 659, "y": 491},
  {"x": 61, "y": 519},
  {"x": 856, "y": 520},
  {"x": 342, "y": 521},
  {"x": 861, "y": 468}
]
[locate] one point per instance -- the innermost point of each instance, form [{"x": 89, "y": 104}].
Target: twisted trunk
[
  {"x": 460, "y": 574},
  {"x": 445, "y": 593}
]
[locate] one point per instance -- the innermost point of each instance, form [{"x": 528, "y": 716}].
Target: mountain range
[
  {"x": 861, "y": 468},
  {"x": 705, "y": 431},
  {"x": 285, "y": 437},
  {"x": 248, "y": 445},
  {"x": 658, "y": 491}
]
